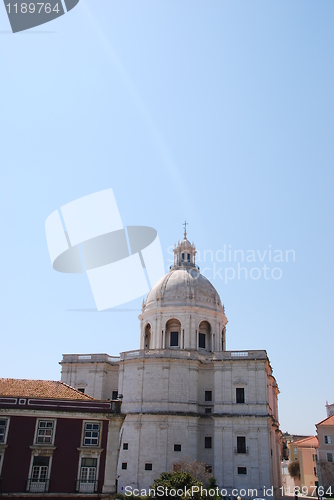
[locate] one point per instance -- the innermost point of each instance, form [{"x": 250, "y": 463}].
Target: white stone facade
[{"x": 184, "y": 395}]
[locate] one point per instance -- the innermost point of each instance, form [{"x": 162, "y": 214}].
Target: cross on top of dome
[{"x": 185, "y": 228}]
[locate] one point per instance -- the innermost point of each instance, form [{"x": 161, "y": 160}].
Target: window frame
[
  {"x": 91, "y": 446},
  {"x": 208, "y": 394},
  {"x": 88, "y": 453},
  {"x": 170, "y": 338},
  {"x": 240, "y": 390},
  {"x": 239, "y": 470},
  {"x": 207, "y": 442},
  {"x": 31, "y": 467},
  {"x": 328, "y": 441},
  {"x": 244, "y": 447},
  {"x": 41, "y": 443},
  {"x": 201, "y": 336},
  {"x": 7, "y": 419}
]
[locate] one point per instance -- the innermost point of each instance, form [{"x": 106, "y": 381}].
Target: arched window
[
  {"x": 147, "y": 339},
  {"x": 173, "y": 333},
  {"x": 223, "y": 339},
  {"x": 204, "y": 336}
]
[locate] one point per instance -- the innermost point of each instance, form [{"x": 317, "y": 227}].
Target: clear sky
[{"x": 218, "y": 112}]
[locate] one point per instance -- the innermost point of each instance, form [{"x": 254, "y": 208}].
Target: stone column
[{"x": 114, "y": 426}]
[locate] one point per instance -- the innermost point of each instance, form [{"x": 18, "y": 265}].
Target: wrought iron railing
[
  {"x": 37, "y": 485},
  {"x": 86, "y": 485}
]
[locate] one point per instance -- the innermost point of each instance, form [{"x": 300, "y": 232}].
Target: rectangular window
[
  {"x": 315, "y": 471},
  {"x": 114, "y": 395},
  {"x": 45, "y": 431},
  {"x": 328, "y": 439},
  {"x": 124, "y": 465},
  {"x": 295, "y": 450},
  {"x": 39, "y": 474},
  {"x": 3, "y": 428},
  {"x": 314, "y": 457},
  {"x": 174, "y": 339},
  {"x": 81, "y": 389},
  {"x": 242, "y": 470},
  {"x": 201, "y": 340},
  {"x": 208, "y": 442},
  {"x": 188, "y": 257},
  {"x": 240, "y": 395},
  {"x": 241, "y": 444},
  {"x": 148, "y": 466},
  {"x": 329, "y": 457},
  {"x": 88, "y": 471},
  {"x": 177, "y": 447},
  {"x": 87, "y": 482},
  {"x": 91, "y": 434},
  {"x": 125, "y": 446},
  {"x": 208, "y": 395},
  {"x": 207, "y": 410}
]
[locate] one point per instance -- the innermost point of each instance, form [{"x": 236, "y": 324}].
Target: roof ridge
[{"x": 324, "y": 420}]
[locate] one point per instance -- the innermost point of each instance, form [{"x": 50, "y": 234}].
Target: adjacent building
[
  {"x": 305, "y": 451},
  {"x": 325, "y": 430},
  {"x": 56, "y": 440}
]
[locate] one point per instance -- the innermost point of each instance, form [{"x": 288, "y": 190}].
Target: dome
[{"x": 182, "y": 286}]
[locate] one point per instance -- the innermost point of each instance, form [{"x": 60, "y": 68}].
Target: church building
[{"x": 184, "y": 396}]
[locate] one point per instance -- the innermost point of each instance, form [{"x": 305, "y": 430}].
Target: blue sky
[{"x": 218, "y": 112}]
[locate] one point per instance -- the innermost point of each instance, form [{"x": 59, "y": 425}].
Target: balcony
[
  {"x": 37, "y": 485},
  {"x": 86, "y": 485}
]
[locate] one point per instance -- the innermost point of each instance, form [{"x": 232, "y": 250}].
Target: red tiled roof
[
  {"x": 309, "y": 442},
  {"x": 51, "y": 389},
  {"x": 327, "y": 421}
]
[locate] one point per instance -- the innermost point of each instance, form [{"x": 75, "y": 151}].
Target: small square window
[
  {"x": 207, "y": 410},
  {"x": 177, "y": 447},
  {"x": 201, "y": 340},
  {"x": 114, "y": 394},
  {"x": 125, "y": 446},
  {"x": 240, "y": 395},
  {"x": 208, "y": 442},
  {"x": 174, "y": 339},
  {"x": 208, "y": 469},
  {"x": 81, "y": 389},
  {"x": 208, "y": 395},
  {"x": 91, "y": 434},
  {"x": 124, "y": 465},
  {"x": 328, "y": 439},
  {"x": 148, "y": 466},
  {"x": 45, "y": 431},
  {"x": 242, "y": 470},
  {"x": 3, "y": 429}
]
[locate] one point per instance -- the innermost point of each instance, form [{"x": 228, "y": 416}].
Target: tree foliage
[
  {"x": 197, "y": 469},
  {"x": 177, "y": 480},
  {"x": 294, "y": 469}
]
